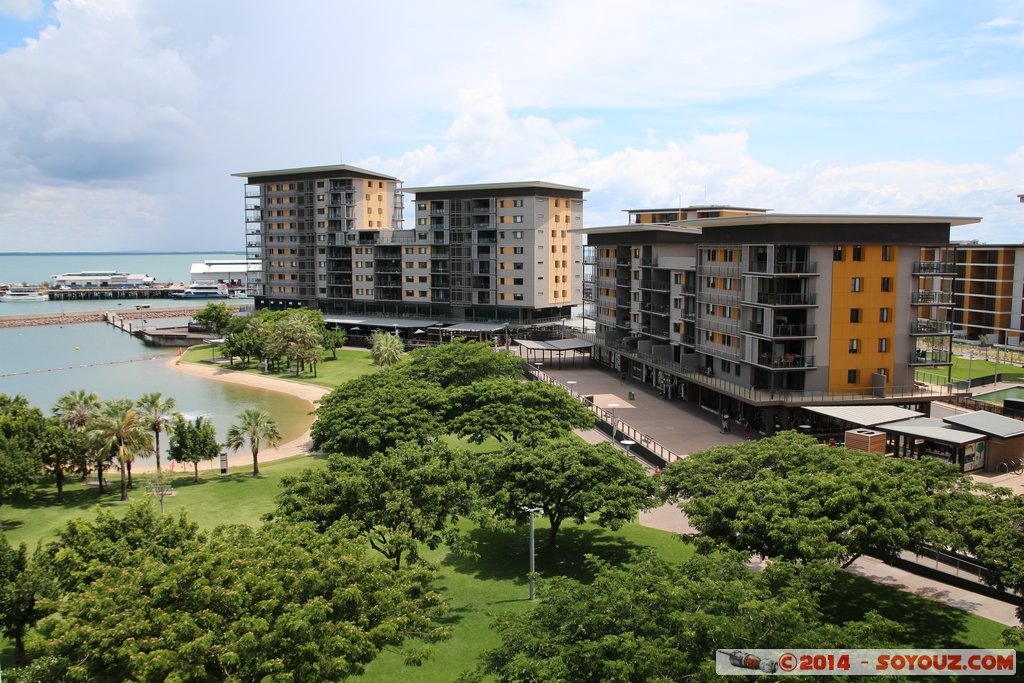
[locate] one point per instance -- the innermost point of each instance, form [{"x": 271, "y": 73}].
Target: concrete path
[{"x": 685, "y": 428}]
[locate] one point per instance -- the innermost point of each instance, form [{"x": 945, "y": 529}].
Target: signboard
[{"x": 224, "y": 462}]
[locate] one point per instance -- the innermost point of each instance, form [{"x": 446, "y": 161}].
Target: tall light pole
[{"x": 533, "y": 589}]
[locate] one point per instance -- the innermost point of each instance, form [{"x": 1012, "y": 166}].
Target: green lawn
[
  {"x": 495, "y": 581},
  {"x": 964, "y": 368},
  {"x": 351, "y": 363}
]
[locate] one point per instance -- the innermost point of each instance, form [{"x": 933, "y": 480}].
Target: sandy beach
[{"x": 301, "y": 445}]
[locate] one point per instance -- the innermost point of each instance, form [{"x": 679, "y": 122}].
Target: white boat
[
  {"x": 19, "y": 294},
  {"x": 102, "y": 278},
  {"x": 204, "y": 290}
]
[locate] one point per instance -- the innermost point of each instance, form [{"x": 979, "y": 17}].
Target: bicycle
[{"x": 1014, "y": 466}]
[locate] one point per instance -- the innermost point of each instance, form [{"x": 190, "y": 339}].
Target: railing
[
  {"x": 661, "y": 309},
  {"x": 647, "y": 261},
  {"x": 622, "y": 261},
  {"x": 793, "y": 299},
  {"x": 922, "y": 357},
  {"x": 654, "y": 284},
  {"x": 608, "y": 417},
  {"x": 760, "y": 394},
  {"x": 254, "y": 193},
  {"x": 788, "y": 360},
  {"x": 934, "y": 268},
  {"x": 930, "y": 297},
  {"x": 782, "y": 330},
  {"x": 937, "y": 327},
  {"x": 796, "y": 267}
]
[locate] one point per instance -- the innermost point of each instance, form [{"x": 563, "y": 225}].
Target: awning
[
  {"x": 933, "y": 429},
  {"x": 865, "y": 416},
  {"x": 554, "y": 344},
  {"x": 371, "y": 323},
  {"x": 476, "y": 327},
  {"x": 988, "y": 423}
]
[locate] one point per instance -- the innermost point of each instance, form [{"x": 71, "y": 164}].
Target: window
[
  {"x": 554, "y": 233},
  {"x": 884, "y": 372},
  {"x": 851, "y": 376},
  {"x": 837, "y": 253},
  {"x": 854, "y": 345},
  {"x": 517, "y": 203},
  {"x": 410, "y": 278},
  {"x": 422, "y": 206},
  {"x": 677, "y": 278},
  {"x": 857, "y": 284},
  {"x": 858, "y": 253},
  {"x": 517, "y": 297},
  {"x": 854, "y": 315},
  {"x": 883, "y": 315},
  {"x": 501, "y": 203},
  {"x": 517, "y": 281},
  {"x": 517, "y": 250},
  {"x": 517, "y": 266},
  {"x": 517, "y": 219},
  {"x": 886, "y": 284},
  {"x": 421, "y": 221},
  {"x": 423, "y": 264},
  {"x": 886, "y": 253},
  {"x": 517, "y": 234},
  {"x": 726, "y": 366},
  {"x": 883, "y": 345}
]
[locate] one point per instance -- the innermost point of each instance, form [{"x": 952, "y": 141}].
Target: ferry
[
  {"x": 102, "y": 278},
  {"x": 20, "y": 294},
  {"x": 204, "y": 290}
]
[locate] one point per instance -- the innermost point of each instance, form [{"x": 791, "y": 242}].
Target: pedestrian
[{"x": 725, "y": 424}]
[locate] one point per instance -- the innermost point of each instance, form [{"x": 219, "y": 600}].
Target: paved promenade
[{"x": 685, "y": 428}]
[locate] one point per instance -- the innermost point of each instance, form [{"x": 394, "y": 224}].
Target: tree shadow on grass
[
  {"x": 928, "y": 624},
  {"x": 503, "y": 554},
  {"x": 81, "y": 497}
]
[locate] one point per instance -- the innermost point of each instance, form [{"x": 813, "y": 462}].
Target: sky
[{"x": 122, "y": 120}]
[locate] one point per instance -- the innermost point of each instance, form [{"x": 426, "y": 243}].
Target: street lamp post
[
  {"x": 571, "y": 384},
  {"x": 533, "y": 588},
  {"x": 615, "y": 420},
  {"x": 626, "y": 443}
]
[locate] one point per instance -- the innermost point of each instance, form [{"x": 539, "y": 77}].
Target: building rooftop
[
  {"x": 340, "y": 169},
  {"x": 698, "y": 207},
  {"x": 696, "y": 225},
  {"x": 483, "y": 187},
  {"x": 988, "y": 423}
]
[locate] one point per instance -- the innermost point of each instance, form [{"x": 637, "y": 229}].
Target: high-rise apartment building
[
  {"x": 331, "y": 238},
  {"x": 758, "y": 314},
  {"x": 989, "y": 292}
]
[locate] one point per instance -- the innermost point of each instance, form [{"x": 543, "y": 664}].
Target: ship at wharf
[{"x": 100, "y": 293}]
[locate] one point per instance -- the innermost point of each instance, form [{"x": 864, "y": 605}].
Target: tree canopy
[
  {"x": 215, "y": 317},
  {"x": 282, "y": 601},
  {"x": 566, "y": 479},
  {"x": 386, "y": 349},
  {"x": 22, "y": 427},
  {"x": 409, "y": 495},
  {"x": 193, "y": 441},
  {"x": 255, "y": 427},
  {"x": 790, "y": 497},
  {"x": 648, "y": 621},
  {"x": 461, "y": 363},
  {"x": 509, "y": 409},
  {"x": 376, "y": 412}
]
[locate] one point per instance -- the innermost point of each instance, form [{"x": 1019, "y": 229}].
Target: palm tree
[
  {"x": 159, "y": 413},
  {"x": 257, "y": 427},
  {"x": 386, "y": 348},
  {"x": 125, "y": 431},
  {"x": 74, "y": 409}
]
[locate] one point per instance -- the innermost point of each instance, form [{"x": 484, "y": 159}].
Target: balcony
[
  {"x": 927, "y": 328},
  {"x": 254, "y": 231},
  {"x": 438, "y": 212},
  {"x": 253, "y": 216},
  {"x": 931, "y": 298},
  {"x": 647, "y": 261},
  {"x": 932, "y": 357},
  {"x": 658, "y": 309},
  {"x": 655, "y": 285},
  {"x": 782, "y": 330},
  {"x": 934, "y": 268},
  {"x": 787, "y": 361},
  {"x": 251, "y": 193},
  {"x": 619, "y": 261},
  {"x": 786, "y": 299}
]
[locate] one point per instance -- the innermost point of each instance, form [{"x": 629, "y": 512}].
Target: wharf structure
[
  {"x": 332, "y": 238},
  {"x": 758, "y": 315}
]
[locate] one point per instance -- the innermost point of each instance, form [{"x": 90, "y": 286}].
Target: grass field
[
  {"x": 351, "y": 363},
  {"x": 964, "y": 368}
]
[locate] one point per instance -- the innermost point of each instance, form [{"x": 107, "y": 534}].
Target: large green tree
[
  {"x": 376, "y": 412},
  {"x": 20, "y": 588},
  {"x": 790, "y": 497},
  {"x": 399, "y": 499},
  {"x": 566, "y": 479},
  {"x": 462, "y": 362},
  {"x": 281, "y": 602},
  {"x": 74, "y": 409},
  {"x": 334, "y": 340},
  {"x": 648, "y": 621},
  {"x": 159, "y": 414},
  {"x": 193, "y": 441},
  {"x": 22, "y": 427},
  {"x": 215, "y": 317},
  {"x": 62, "y": 450},
  {"x": 509, "y": 409},
  {"x": 257, "y": 428},
  {"x": 125, "y": 432}
]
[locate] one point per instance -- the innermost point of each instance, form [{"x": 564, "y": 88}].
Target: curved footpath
[{"x": 301, "y": 445}]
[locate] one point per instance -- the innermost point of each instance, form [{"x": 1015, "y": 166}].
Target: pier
[
  {"x": 100, "y": 293},
  {"x": 124, "y": 317}
]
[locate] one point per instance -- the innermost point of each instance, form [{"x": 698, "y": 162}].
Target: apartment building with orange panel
[
  {"x": 758, "y": 314},
  {"x": 332, "y": 238},
  {"x": 989, "y": 292}
]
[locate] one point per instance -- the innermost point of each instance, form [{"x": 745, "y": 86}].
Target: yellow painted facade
[
  {"x": 870, "y": 301},
  {"x": 559, "y": 250}
]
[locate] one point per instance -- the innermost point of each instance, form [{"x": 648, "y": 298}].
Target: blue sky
[{"x": 124, "y": 119}]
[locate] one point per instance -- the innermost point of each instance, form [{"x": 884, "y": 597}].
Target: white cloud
[{"x": 21, "y": 9}]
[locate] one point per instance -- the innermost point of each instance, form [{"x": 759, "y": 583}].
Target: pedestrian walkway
[{"x": 685, "y": 428}]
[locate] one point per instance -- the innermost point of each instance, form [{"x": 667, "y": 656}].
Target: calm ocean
[{"x": 42, "y": 363}]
